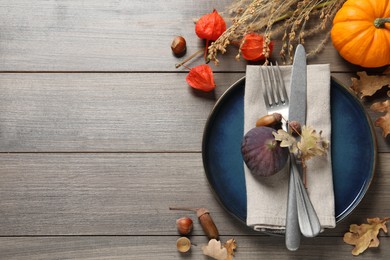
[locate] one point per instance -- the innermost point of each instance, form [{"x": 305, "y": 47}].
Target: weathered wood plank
[
  {"x": 103, "y": 112},
  {"x": 127, "y": 194},
  {"x": 110, "y": 35},
  {"x": 135, "y": 247},
  {"x": 91, "y": 162}
]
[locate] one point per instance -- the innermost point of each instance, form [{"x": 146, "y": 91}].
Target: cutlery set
[{"x": 301, "y": 216}]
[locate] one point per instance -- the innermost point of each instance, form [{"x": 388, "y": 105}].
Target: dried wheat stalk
[{"x": 284, "y": 20}]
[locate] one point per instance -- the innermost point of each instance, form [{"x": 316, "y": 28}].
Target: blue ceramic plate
[{"x": 353, "y": 150}]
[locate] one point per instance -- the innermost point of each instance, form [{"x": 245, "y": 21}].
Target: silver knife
[
  {"x": 307, "y": 217},
  {"x": 293, "y": 233},
  {"x": 301, "y": 216}
]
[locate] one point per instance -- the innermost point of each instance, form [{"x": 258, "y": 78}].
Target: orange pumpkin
[{"x": 361, "y": 32}]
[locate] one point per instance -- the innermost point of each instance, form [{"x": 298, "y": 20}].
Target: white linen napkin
[{"x": 267, "y": 197}]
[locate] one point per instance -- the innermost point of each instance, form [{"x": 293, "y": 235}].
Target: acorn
[
  {"x": 184, "y": 225},
  {"x": 269, "y": 120},
  {"x": 207, "y": 223},
  {"x": 179, "y": 46}
]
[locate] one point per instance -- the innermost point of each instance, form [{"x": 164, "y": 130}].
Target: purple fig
[{"x": 262, "y": 153}]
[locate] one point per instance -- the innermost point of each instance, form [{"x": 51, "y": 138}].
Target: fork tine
[
  {"x": 275, "y": 85},
  {"x": 274, "y": 91},
  {"x": 265, "y": 88},
  {"x": 284, "y": 98},
  {"x": 270, "y": 87}
]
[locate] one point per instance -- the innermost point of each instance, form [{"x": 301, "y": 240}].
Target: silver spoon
[
  {"x": 293, "y": 233},
  {"x": 307, "y": 217}
]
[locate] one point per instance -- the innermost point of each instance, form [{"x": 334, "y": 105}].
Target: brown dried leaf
[
  {"x": 230, "y": 246},
  {"x": 368, "y": 85},
  {"x": 365, "y": 235},
  {"x": 383, "y": 121},
  {"x": 215, "y": 250}
]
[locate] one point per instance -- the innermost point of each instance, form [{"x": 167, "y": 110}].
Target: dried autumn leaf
[
  {"x": 230, "y": 246},
  {"x": 215, "y": 250},
  {"x": 312, "y": 143},
  {"x": 383, "y": 121},
  {"x": 286, "y": 140},
  {"x": 201, "y": 77},
  {"x": 365, "y": 235},
  {"x": 368, "y": 85}
]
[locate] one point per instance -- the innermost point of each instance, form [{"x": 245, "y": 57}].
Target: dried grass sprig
[{"x": 291, "y": 21}]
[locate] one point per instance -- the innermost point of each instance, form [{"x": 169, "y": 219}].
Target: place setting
[{"x": 336, "y": 182}]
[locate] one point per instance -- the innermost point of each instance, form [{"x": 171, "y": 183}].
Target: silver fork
[
  {"x": 276, "y": 100},
  {"x": 274, "y": 91}
]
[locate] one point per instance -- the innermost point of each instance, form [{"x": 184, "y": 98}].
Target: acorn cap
[{"x": 183, "y": 244}]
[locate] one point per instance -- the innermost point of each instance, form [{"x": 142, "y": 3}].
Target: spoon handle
[
  {"x": 293, "y": 234},
  {"x": 307, "y": 217}
]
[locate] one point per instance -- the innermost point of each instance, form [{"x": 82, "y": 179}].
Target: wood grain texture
[
  {"x": 113, "y": 35},
  {"x": 105, "y": 112},
  {"x": 100, "y": 135},
  {"x": 135, "y": 247},
  {"x": 127, "y": 194}
]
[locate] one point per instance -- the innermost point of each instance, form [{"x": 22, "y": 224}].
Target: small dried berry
[{"x": 295, "y": 127}]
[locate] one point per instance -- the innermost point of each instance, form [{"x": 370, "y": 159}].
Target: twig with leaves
[{"x": 310, "y": 144}]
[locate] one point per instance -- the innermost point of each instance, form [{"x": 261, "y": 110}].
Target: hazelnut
[
  {"x": 179, "y": 46},
  {"x": 184, "y": 225}
]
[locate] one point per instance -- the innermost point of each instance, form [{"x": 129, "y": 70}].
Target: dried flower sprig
[{"x": 284, "y": 19}]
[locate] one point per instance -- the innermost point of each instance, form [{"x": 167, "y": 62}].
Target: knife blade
[{"x": 297, "y": 107}]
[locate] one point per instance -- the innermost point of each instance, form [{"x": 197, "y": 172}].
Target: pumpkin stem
[{"x": 380, "y": 22}]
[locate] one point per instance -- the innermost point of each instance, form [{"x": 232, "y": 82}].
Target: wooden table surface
[{"x": 100, "y": 135}]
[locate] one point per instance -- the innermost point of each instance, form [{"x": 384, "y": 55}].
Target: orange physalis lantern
[
  {"x": 201, "y": 77},
  {"x": 252, "y": 47},
  {"x": 210, "y": 26}
]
